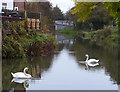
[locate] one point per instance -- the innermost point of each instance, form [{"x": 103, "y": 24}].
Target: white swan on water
[
  {"x": 91, "y": 62},
  {"x": 22, "y": 74}
]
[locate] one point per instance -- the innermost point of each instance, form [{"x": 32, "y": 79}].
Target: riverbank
[
  {"x": 108, "y": 36},
  {"x": 69, "y": 32},
  {"x": 21, "y": 42}
]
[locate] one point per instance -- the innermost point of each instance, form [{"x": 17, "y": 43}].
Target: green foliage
[
  {"x": 68, "y": 32},
  {"x": 114, "y": 8},
  {"x": 57, "y": 13},
  {"x": 42, "y": 10},
  {"x": 99, "y": 17},
  {"x": 114, "y": 37},
  {"x": 22, "y": 14},
  {"x": 21, "y": 43},
  {"x": 42, "y": 44},
  {"x": 11, "y": 48},
  {"x": 107, "y": 36},
  {"x": 83, "y": 11},
  {"x": 6, "y": 25}
]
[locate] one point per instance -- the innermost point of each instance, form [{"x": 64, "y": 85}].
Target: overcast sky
[{"x": 64, "y": 5}]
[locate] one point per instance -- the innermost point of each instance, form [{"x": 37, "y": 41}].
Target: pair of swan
[
  {"x": 91, "y": 62},
  {"x": 22, "y": 75}
]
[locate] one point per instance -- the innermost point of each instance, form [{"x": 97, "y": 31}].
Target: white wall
[
  {"x": 59, "y": 27},
  {"x": 0, "y": 6},
  {"x": 9, "y": 4}
]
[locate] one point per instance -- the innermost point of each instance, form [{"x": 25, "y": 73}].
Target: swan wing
[
  {"x": 93, "y": 60},
  {"x": 19, "y": 75},
  {"x": 93, "y": 65}
]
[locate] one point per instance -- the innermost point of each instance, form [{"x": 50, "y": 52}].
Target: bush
[
  {"x": 42, "y": 44},
  {"x": 38, "y": 44},
  {"x": 11, "y": 48},
  {"x": 22, "y": 42}
]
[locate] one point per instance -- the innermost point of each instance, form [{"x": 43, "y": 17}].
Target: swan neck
[
  {"x": 87, "y": 66},
  {"x": 25, "y": 71},
  {"x": 87, "y": 58}
]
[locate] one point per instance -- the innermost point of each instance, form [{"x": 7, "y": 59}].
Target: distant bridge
[{"x": 61, "y": 24}]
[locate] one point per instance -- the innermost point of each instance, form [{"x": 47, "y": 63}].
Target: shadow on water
[
  {"x": 37, "y": 66},
  {"x": 71, "y": 51},
  {"x": 109, "y": 58}
]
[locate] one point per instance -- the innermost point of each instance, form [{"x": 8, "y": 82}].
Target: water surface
[{"x": 63, "y": 70}]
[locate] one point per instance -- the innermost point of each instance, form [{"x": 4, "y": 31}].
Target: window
[
  {"x": 4, "y": 5},
  {"x": 16, "y": 8}
]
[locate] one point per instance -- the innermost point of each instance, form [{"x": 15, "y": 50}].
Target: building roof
[
  {"x": 4, "y": 4},
  {"x": 19, "y": 0},
  {"x": 37, "y": 0}
]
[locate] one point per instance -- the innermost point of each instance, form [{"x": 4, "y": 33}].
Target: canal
[{"x": 65, "y": 69}]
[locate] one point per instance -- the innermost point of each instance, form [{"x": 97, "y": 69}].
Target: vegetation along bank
[{"x": 19, "y": 41}]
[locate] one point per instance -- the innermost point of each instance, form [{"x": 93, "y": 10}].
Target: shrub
[
  {"x": 36, "y": 45},
  {"x": 22, "y": 42},
  {"x": 42, "y": 44},
  {"x": 11, "y": 48}
]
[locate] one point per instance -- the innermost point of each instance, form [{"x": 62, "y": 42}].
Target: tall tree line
[
  {"x": 46, "y": 12},
  {"x": 86, "y": 20},
  {"x": 85, "y": 10}
]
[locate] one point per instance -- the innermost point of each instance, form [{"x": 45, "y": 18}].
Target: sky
[
  {"x": 64, "y": 5},
  {"x": 9, "y": 5}
]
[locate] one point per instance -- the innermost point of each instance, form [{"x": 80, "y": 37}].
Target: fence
[
  {"x": 5, "y": 18},
  {"x": 32, "y": 23}
]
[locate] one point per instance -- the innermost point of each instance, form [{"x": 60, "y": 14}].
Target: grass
[
  {"x": 69, "y": 32},
  {"x": 108, "y": 36}
]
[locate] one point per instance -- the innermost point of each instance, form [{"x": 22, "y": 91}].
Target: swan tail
[
  {"x": 12, "y": 80},
  {"x": 12, "y": 74},
  {"x": 97, "y": 60}
]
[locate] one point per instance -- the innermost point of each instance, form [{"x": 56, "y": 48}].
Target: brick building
[{"x": 19, "y": 5}]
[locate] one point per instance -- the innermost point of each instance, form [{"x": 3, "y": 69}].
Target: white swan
[
  {"x": 91, "y": 62},
  {"x": 22, "y": 74}
]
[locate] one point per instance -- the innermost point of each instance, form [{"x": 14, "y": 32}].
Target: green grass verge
[{"x": 69, "y": 32}]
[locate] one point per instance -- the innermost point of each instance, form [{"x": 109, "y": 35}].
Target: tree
[
  {"x": 97, "y": 20},
  {"x": 41, "y": 10},
  {"x": 57, "y": 13},
  {"x": 84, "y": 10}
]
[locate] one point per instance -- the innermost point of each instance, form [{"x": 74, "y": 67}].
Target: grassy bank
[
  {"x": 69, "y": 32},
  {"x": 24, "y": 42},
  {"x": 107, "y": 36}
]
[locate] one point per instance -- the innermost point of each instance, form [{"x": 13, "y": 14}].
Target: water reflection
[
  {"x": 108, "y": 59},
  {"x": 36, "y": 65},
  {"x": 25, "y": 82},
  {"x": 88, "y": 65},
  {"x": 63, "y": 70}
]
